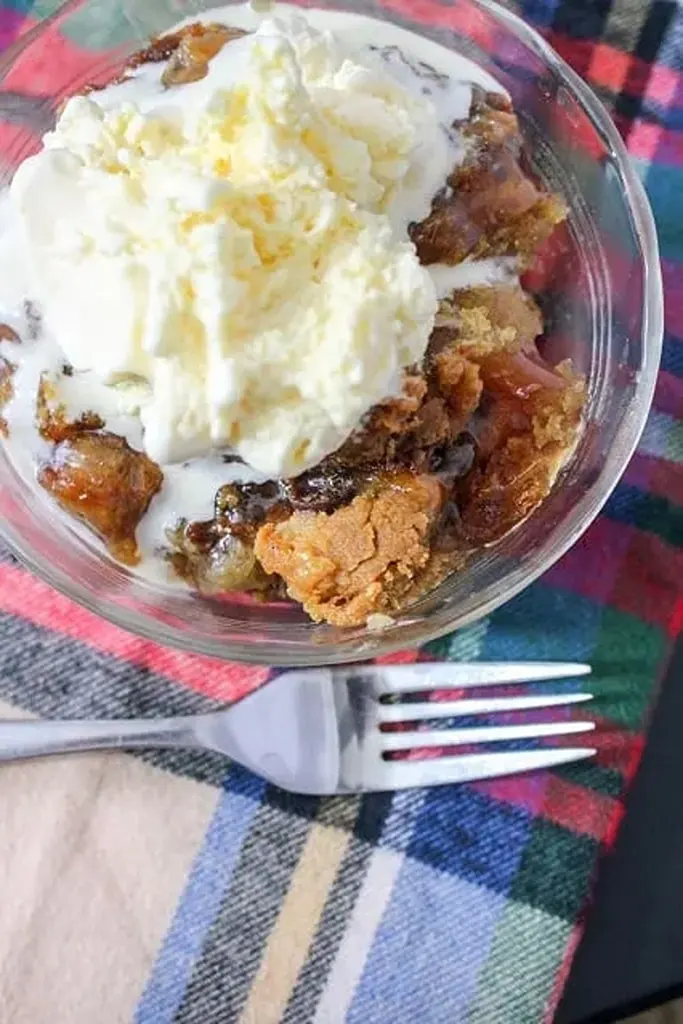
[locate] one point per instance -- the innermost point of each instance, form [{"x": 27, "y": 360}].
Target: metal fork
[{"x": 321, "y": 730}]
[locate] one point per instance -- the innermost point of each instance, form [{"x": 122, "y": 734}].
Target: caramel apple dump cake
[{"x": 273, "y": 337}]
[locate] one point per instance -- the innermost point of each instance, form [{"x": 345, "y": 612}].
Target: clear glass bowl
[{"x": 602, "y": 299}]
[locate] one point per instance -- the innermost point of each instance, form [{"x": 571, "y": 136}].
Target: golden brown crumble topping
[
  {"x": 6, "y": 390},
  {"x": 95, "y": 475},
  {"x": 188, "y": 51},
  {"x": 8, "y": 333},
  {"x": 190, "y": 61},
  {"x": 360, "y": 559},
  {"x": 500, "y": 319},
  {"x": 531, "y": 425},
  {"x": 7, "y": 370},
  {"x": 99, "y": 478},
  {"x": 52, "y": 419},
  {"x": 489, "y": 206}
]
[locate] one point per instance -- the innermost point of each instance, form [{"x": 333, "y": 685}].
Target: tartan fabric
[{"x": 443, "y": 905}]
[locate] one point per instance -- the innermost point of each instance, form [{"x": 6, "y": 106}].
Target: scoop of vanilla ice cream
[{"x": 234, "y": 249}]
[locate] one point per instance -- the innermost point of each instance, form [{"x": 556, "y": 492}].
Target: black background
[{"x": 631, "y": 955}]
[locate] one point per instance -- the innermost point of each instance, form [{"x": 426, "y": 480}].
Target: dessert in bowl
[{"x": 277, "y": 344}]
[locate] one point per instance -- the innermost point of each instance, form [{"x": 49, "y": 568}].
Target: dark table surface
[{"x": 631, "y": 955}]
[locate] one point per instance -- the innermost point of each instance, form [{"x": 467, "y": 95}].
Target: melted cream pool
[{"x": 420, "y": 65}]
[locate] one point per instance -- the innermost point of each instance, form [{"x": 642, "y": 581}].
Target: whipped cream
[{"x": 231, "y": 254}]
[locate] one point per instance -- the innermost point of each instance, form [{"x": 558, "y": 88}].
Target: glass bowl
[{"x": 600, "y": 291}]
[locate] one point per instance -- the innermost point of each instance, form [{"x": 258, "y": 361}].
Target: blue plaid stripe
[
  {"x": 432, "y": 919},
  {"x": 211, "y": 875}
]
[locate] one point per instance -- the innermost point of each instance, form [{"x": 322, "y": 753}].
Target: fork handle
[{"x": 20, "y": 739}]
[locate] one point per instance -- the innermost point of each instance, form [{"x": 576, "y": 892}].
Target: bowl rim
[{"x": 540, "y": 560}]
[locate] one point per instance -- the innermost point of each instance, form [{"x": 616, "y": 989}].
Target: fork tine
[
  {"x": 439, "y": 771},
  {"x": 444, "y": 675},
  {"x": 477, "y": 706},
  {"x": 483, "y": 734}
]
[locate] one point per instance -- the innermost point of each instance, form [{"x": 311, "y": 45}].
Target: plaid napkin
[{"x": 170, "y": 887}]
